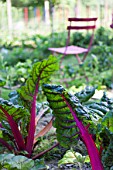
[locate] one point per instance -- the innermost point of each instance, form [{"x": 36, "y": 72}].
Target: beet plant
[{"x": 18, "y": 122}]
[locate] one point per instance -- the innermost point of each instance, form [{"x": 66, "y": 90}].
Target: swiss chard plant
[
  {"x": 18, "y": 121},
  {"x": 75, "y": 118}
]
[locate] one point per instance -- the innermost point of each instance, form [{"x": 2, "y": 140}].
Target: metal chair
[{"x": 76, "y": 50}]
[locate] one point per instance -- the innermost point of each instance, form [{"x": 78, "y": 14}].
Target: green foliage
[
  {"x": 85, "y": 94},
  {"x": 81, "y": 39},
  {"x": 16, "y": 55},
  {"x": 103, "y": 36},
  {"x": 107, "y": 157},
  {"x": 105, "y": 131},
  {"x": 41, "y": 73},
  {"x": 2, "y": 82},
  {"x": 73, "y": 157},
  {"x": 107, "y": 121},
  {"x": 64, "y": 121},
  {"x": 18, "y": 111},
  {"x": 18, "y": 116},
  {"x": 19, "y": 162},
  {"x": 99, "y": 113},
  {"x": 4, "y": 93},
  {"x": 35, "y": 48},
  {"x": 91, "y": 113},
  {"x": 70, "y": 120},
  {"x": 105, "y": 58}
]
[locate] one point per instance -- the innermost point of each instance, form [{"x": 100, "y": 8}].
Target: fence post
[
  {"x": 26, "y": 15},
  {"x": 9, "y": 16}
]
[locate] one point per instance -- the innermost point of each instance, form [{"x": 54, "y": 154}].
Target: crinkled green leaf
[
  {"x": 14, "y": 97},
  {"x": 16, "y": 111},
  {"x": 67, "y": 130},
  {"x": 85, "y": 94},
  {"x": 106, "y": 99},
  {"x": 80, "y": 115}
]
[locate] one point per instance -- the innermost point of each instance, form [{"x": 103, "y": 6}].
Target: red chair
[{"x": 76, "y": 50}]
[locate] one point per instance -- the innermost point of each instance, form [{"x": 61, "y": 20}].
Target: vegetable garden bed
[{"x": 78, "y": 116}]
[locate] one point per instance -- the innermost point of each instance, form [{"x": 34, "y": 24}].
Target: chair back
[
  {"x": 82, "y": 20},
  {"x": 82, "y": 24}
]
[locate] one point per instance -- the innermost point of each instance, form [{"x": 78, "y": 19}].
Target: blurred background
[
  {"x": 29, "y": 27},
  {"x": 46, "y": 16}
]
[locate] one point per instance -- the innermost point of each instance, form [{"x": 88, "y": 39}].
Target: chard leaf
[
  {"x": 40, "y": 74},
  {"x": 16, "y": 111},
  {"x": 85, "y": 94},
  {"x": 12, "y": 114},
  {"x": 107, "y": 121},
  {"x": 15, "y": 130},
  {"x": 66, "y": 128},
  {"x": 71, "y": 106}
]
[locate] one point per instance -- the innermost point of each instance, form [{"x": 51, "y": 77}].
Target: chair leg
[
  {"x": 62, "y": 58},
  {"x": 84, "y": 57},
  {"x": 78, "y": 59}
]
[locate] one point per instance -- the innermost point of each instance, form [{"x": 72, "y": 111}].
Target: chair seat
[{"x": 70, "y": 50}]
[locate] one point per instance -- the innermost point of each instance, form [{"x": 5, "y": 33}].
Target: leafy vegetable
[
  {"x": 66, "y": 107},
  {"x": 18, "y": 123}
]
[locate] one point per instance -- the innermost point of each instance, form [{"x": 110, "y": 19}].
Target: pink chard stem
[
  {"x": 31, "y": 131},
  {"x": 14, "y": 127}
]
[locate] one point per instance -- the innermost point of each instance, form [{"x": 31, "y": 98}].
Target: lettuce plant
[{"x": 18, "y": 122}]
